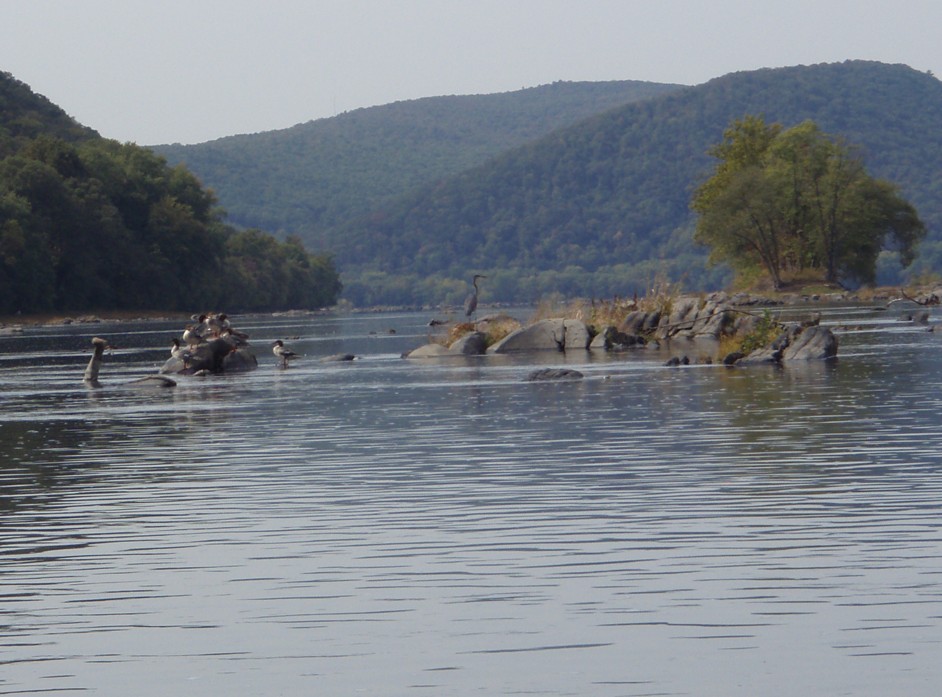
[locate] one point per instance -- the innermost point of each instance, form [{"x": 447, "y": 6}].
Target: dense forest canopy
[
  {"x": 315, "y": 177},
  {"x": 596, "y": 207},
  {"x": 89, "y": 223},
  {"x": 602, "y": 207},
  {"x": 414, "y": 198}
]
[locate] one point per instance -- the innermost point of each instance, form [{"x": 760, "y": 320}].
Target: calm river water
[{"x": 394, "y": 527}]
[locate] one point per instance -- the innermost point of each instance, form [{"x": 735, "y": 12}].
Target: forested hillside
[
  {"x": 25, "y": 115},
  {"x": 316, "y": 176},
  {"x": 87, "y": 223},
  {"x": 602, "y": 207}
]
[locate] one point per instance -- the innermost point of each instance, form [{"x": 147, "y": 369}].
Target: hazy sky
[{"x": 161, "y": 71}]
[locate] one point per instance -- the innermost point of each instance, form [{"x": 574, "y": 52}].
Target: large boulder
[
  {"x": 240, "y": 360},
  {"x": 681, "y": 318},
  {"x": 796, "y": 343},
  {"x": 712, "y": 320},
  {"x": 471, "y": 344},
  {"x": 812, "y": 343},
  {"x": 546, "y": 335},
  {"x": 428, "y": 351}
]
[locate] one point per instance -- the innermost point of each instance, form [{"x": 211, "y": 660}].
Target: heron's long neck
[{"x": 94, "y": 365}]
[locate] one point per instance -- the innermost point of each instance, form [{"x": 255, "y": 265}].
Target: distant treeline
[
  {"x": 598, "y": 206},
  {"x": 89, "y": 223}
]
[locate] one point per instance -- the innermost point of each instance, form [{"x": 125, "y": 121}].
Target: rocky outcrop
[
  {"x": 693, "y": 324},
  {"x": 811, "y": 344},
  {"x": 689, "y": 317},
  {"x": 546, "y": 335},
  {"x": 211, "y": 346},
  {"x": 796, "y": 343},
  {"x": 612, "y": 339}
]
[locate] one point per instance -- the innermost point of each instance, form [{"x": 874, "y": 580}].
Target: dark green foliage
[
  {"x": 316, "y": 176},
  {"x": 796, "y": 200},
  {"x": 25, "y": 115},
  {"x": 262, "y": 273},
  {"x": 613, "y": 191},
  {"x": 93, "y": 224}
]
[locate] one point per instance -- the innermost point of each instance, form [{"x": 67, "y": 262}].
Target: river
[{"x": 444, "y": 527}]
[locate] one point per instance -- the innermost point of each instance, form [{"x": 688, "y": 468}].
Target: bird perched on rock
[
  {"x": 192, "y": 336},
  {"x": 180, "y": 352},
  {"x": 471, "y": 303},
  {"x": 283, "y": 352}
]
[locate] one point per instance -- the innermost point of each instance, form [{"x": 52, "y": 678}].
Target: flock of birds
[
  {"x": 218, "y": 326},
  {"x": 209, "y": 326}
]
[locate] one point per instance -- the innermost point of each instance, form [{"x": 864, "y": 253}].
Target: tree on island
[{"x": 788, "y": 201}]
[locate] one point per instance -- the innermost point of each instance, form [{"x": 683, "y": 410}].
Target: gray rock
[
  {"x": 216, "y": 356},
  {"x": 546, "y": 335},
  {"x": 795, "y": 344},
  {"x": 338, "y": 358},
  {"x": 554, "y": 374},
  {"x": 713, "y": 319},
  {"x": 813, "y": 343},
  {"x": 634, "y": 322},
  {"x": 680, "y": 319},
  {"x": 241, "y": 360},
  {"x": 472, "y": 344},
  {"x": 732, "y": 358},
  {"x": 427, "y": 351},
  {"x": 612, "y": 339}
]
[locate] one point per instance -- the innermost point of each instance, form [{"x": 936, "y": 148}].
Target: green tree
[{"x": 789, "y": 200}]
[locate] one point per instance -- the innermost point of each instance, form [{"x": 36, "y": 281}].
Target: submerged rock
[
  {"x": 554, "y": 374},
  {"x": 338, "y": 358}
]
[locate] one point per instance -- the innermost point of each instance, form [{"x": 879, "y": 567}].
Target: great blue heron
[
  {"x": 283, "y": 352},
  {"x": 471, "y": 302}
]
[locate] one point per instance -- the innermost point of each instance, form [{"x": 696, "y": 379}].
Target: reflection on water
[{"x": 392, "y": 527}]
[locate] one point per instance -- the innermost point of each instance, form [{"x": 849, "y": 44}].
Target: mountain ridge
[
  {"x": 604, "y": 204},
  {"x": 597, "y": 206},
  {"x": 318, "y": 174}
]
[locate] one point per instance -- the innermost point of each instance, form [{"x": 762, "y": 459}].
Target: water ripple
[{"x": 391, "y": 527}]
